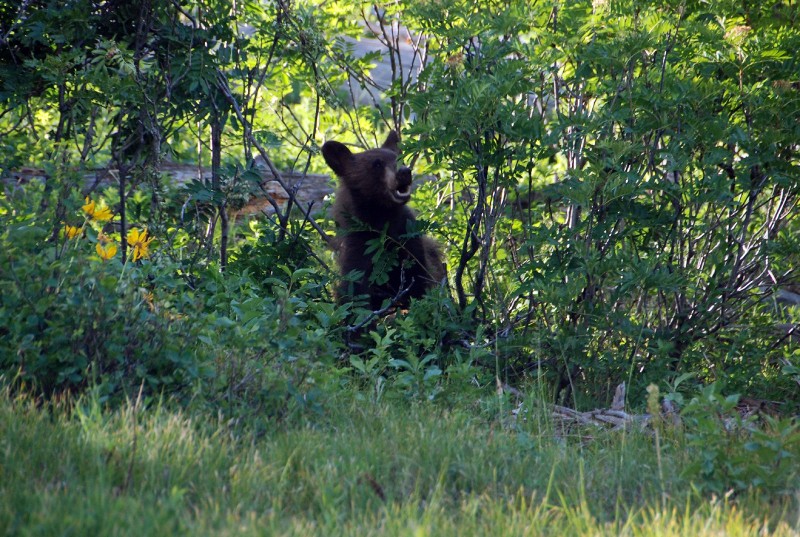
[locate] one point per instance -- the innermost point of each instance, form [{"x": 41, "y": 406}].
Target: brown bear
[{"x": 371, "y": 204}]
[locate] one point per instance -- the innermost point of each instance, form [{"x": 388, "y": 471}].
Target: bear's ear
[
  {"x": 337, "y": 156},
  {"x": 391, "y": 142}
]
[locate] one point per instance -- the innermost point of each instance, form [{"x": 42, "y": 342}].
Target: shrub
[{"x": 72, "y": 318}]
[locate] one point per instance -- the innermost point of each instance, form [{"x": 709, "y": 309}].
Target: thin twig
[{"x": 224, "y": 87}]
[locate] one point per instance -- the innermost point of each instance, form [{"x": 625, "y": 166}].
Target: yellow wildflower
[
  {"x": 106, "y": 252},
  {"x": 71, "y": 231},
  {"x": 140, "y": 243},
  {"x": 89, "y": 207},
  {"x": 101, "y": 214}
]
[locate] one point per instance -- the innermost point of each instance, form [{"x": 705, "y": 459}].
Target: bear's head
[{"x": 371, "y": 175}]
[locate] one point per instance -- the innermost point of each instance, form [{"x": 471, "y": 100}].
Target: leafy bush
[
  {"x": 72, "y": 318},
  {"x": 620, "y": 176},
  {"x": 614, "y": 184},
  {"x": 266, "y": 258},
  {"x": 77, "y": 315},
  {"x": 734, "y": 453},
  {"x": 419, "y": 351},
  {"x": 271, "y": 343}
]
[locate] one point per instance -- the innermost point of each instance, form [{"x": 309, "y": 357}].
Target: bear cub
[{"x": 371, "y": 204}]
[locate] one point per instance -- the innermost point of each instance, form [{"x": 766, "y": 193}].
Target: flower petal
[
  {"x": 102, "y": 214},
  {"x": 106, "y": 252},
  {"x": 89, "y": 207}
]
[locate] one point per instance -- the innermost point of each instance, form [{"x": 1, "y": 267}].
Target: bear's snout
[
  {"x": 402, "y": 185},
  {"x": 403, "y": 177}
]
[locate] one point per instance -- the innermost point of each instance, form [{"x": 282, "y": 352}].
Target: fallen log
[{"x": 310, "y": 189}]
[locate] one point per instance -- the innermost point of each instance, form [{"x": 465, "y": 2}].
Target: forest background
[{"x": 614, "y": 184}]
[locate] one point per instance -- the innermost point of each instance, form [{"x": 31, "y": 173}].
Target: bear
[{"x": 371, "y": 203}]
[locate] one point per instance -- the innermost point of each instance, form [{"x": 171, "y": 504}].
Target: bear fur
[{"x": 371, "y": 203}]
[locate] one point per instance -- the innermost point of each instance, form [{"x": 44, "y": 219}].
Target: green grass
[{"x": 360, "y": 469}]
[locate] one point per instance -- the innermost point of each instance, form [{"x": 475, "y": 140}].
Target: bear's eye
[{"x": 377, "y": 164}]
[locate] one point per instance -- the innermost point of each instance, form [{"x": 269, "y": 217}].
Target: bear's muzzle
[{"x": 403, "y": 180}]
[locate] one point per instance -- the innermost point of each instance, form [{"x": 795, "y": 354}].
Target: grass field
[{"x": 359, "y": 468}]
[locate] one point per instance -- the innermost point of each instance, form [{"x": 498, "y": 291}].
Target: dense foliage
[{"x": 614, "y": 183}]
